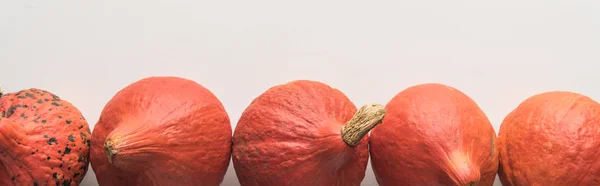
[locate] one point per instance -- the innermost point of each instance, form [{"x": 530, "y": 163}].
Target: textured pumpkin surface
[
  {"x": 162, "y": 131},
  {"x": 291, "y": 135},
  {"x": 433, "y": 134},
  {"x": 551, "y": 138},
  {"x": 44, "y": 140}
]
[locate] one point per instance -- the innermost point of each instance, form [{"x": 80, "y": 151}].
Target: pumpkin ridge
[
  {"x": 11, "y": 135},
  {"x": 463, "y": 172},
  {"x": 311, "y": 152},
  {"x": 132, "y": 139},
  {"x": 125, "y": 147}
]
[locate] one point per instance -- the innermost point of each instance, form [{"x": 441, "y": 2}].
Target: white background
[{"x": 498, "y": 52}]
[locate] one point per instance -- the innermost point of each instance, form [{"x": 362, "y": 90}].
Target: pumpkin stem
[
  {"x": 1, "y": 92},
  {"x": 108, "y": 149},
  {"x": 365, "y": 119}
]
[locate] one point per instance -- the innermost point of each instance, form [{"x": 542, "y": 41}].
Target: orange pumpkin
[
  {"x": 551, "y": 138},
  {"x": 434, "y": 134},
  {"x": 303, "y": 133},
  {"x": 162, "y": 131}
]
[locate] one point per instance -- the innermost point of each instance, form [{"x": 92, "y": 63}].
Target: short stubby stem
[
  {"x": 109, "y": 149},
  {"x": 365, "y": 119}
]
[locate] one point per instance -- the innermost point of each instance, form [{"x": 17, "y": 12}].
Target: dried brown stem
[{"x": 365, "y": 119}]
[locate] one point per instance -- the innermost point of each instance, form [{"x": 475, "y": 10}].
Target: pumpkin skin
[
  {"x": 44, "y": 140},
  {"x": 162, "y": 131},
  {"x": 292, "y": 135},
  {"x": 551, "y": 138},
  {"x": 433, "y": 134}
]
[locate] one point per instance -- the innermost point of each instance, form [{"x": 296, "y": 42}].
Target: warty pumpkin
[
  {"x": 549, "y": 139},
  {"x": 303, "y": 133},
  {"x": 44, "y": 140},
  {"x": 433, "y": 134},
  {"x": 162, "y": 131}
]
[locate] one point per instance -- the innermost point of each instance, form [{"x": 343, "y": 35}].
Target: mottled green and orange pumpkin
[{"x": 44, "y": 140}]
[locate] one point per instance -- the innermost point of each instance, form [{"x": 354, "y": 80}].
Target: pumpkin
[
  {"x": 551, "y": 138},
  {"x": 162, "y": 131},
  {"x": 303, "y": 132},
  {"x": 433, "y": 134},
  {"x": 44, "y": 140}
]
